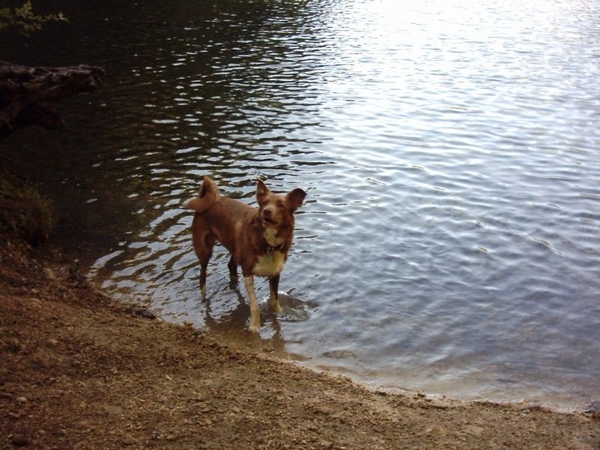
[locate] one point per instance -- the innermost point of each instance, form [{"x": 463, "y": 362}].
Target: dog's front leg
[
  {"x": 254, "y": 310},
  {"x": 274, "y": 297}
]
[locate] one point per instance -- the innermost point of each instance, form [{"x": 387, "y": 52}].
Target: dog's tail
[{"x": 208, "y": 196}]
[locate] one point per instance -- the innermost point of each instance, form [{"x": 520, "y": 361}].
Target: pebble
[{"x": 50, "y": 273}]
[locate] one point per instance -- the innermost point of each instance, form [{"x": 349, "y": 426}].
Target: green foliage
[{"x": 24, "y": 20}]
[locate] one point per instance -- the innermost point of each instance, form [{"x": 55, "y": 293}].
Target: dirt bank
[{"x": 79, "y": 371}]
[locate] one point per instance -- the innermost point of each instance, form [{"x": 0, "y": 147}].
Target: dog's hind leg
[
  {"x": 254, "y": 310},
  {"x": 274, "y": 296},
  {"x": 203, "y": 279},
  {"x": 232, "y": 265},
  {"x": 204, "y": 252}
]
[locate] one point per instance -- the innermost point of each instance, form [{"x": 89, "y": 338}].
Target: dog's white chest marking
[
  {"x": 270, "y": 235},
  {"x": 269, "y": 264}
]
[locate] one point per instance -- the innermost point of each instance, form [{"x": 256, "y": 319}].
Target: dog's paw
[{"x": 254, "y": 327}]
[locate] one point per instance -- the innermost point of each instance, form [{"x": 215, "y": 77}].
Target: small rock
[
  {"x": 435, "y": 432},
  {"x": 592, "y": 407},
  {"x": 50, "y": 273},
  {"x": 22, "y": 399},
  {"x": 129, "y": 440},
  {"x": 323, "y": 409},
  {"x": 268, "y": 348},
  {"x": 19, "y": 440},
  {"x": 146, "y": 314}
]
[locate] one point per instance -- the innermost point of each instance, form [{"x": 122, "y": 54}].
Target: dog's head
[{"x": 277, "y": 211}]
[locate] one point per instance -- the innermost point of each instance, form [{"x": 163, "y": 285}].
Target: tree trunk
[{"x": 25, "y": 91}]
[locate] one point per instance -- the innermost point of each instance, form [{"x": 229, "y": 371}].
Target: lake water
[{"x": 449, "y": 149}]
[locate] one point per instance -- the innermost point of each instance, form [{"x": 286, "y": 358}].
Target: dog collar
[{"x": 271, "y": 250}]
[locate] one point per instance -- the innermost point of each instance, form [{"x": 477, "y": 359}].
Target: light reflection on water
[{"x": 449, "y": 151}]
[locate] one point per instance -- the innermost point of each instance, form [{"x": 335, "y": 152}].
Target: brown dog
[{"x": 258, "y": 239}]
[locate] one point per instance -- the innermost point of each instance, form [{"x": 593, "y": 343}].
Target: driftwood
[{"x": 25, "y": 91}]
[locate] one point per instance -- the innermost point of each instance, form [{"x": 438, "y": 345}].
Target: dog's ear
[
  {"x": 261, "y": 190},
  {"x": 295, "y": 198}
]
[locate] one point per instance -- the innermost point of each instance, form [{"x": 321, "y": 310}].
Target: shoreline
[
  {"x": 239, "y": 340},
  {"x": 81, "y": 370}
]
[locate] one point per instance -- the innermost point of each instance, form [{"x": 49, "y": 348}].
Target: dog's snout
[{"x": 269, "y": 215}]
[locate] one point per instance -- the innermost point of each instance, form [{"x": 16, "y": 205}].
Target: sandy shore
[{"x": 81, "y": 371}]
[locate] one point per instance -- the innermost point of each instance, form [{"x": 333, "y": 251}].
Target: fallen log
[{"x": 25, "y": 92}]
